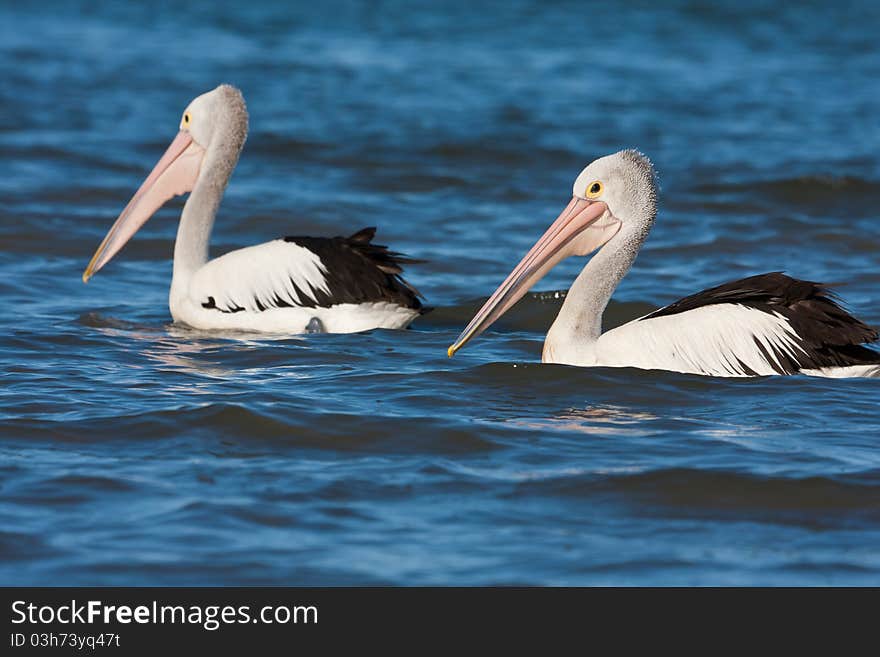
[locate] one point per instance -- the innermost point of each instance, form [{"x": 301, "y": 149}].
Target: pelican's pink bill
[
  {"x": 568, "y": 235},
  {"x": 174, "y": 174}
]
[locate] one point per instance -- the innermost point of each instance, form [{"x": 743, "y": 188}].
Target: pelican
[
  {"x": 288, "y": 285},
  {"x": 761, "y": 325}
]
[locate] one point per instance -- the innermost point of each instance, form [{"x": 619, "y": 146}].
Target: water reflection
[{"x": 594, "y": 420}]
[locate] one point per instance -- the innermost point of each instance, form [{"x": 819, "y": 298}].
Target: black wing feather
[{"x": 359, "y": 271}]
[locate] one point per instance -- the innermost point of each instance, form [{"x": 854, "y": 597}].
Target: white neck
[
  {"x": 199, "y": 212},
  {"x": 573, "y": 335}
]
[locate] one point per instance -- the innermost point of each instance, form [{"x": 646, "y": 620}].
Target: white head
[
  {"x": 614, "y": 198},
  {"x": 626, "y": 183},
  {"x": 213, "y": 128},
  {"x": 217, "y": 120}
]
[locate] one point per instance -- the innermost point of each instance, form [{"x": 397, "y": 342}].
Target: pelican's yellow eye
[
  {"x": 186, "y": 118},
  {"x": 594, "y": 189}
]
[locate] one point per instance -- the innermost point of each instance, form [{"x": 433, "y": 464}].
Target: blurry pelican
[
  {"x": 761, "y": 325},
  {"x": 289, "y": 285}
]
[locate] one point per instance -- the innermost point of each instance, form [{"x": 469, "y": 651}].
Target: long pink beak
[
  {"x": 175, "y": 173},
  {"x": 573, "y": 233}
]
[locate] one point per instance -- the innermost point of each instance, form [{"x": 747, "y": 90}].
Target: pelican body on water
[
  {"x": 761, "y": 325},
  {"x": 289, "y": 285}
]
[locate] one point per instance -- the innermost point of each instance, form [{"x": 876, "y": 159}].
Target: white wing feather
[
  {"x": 719, "y": 340},
  {"x": 257, "y": 275}
]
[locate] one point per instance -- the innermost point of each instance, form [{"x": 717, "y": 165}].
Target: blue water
[{"x": 133, "y": 451}]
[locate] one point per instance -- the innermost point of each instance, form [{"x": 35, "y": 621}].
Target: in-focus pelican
[
  {"x": 761, "y": 325},
  {"x": 289, "y": 285}
]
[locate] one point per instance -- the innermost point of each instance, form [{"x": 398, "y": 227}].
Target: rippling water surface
[{"x": 139, "y": 452}]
